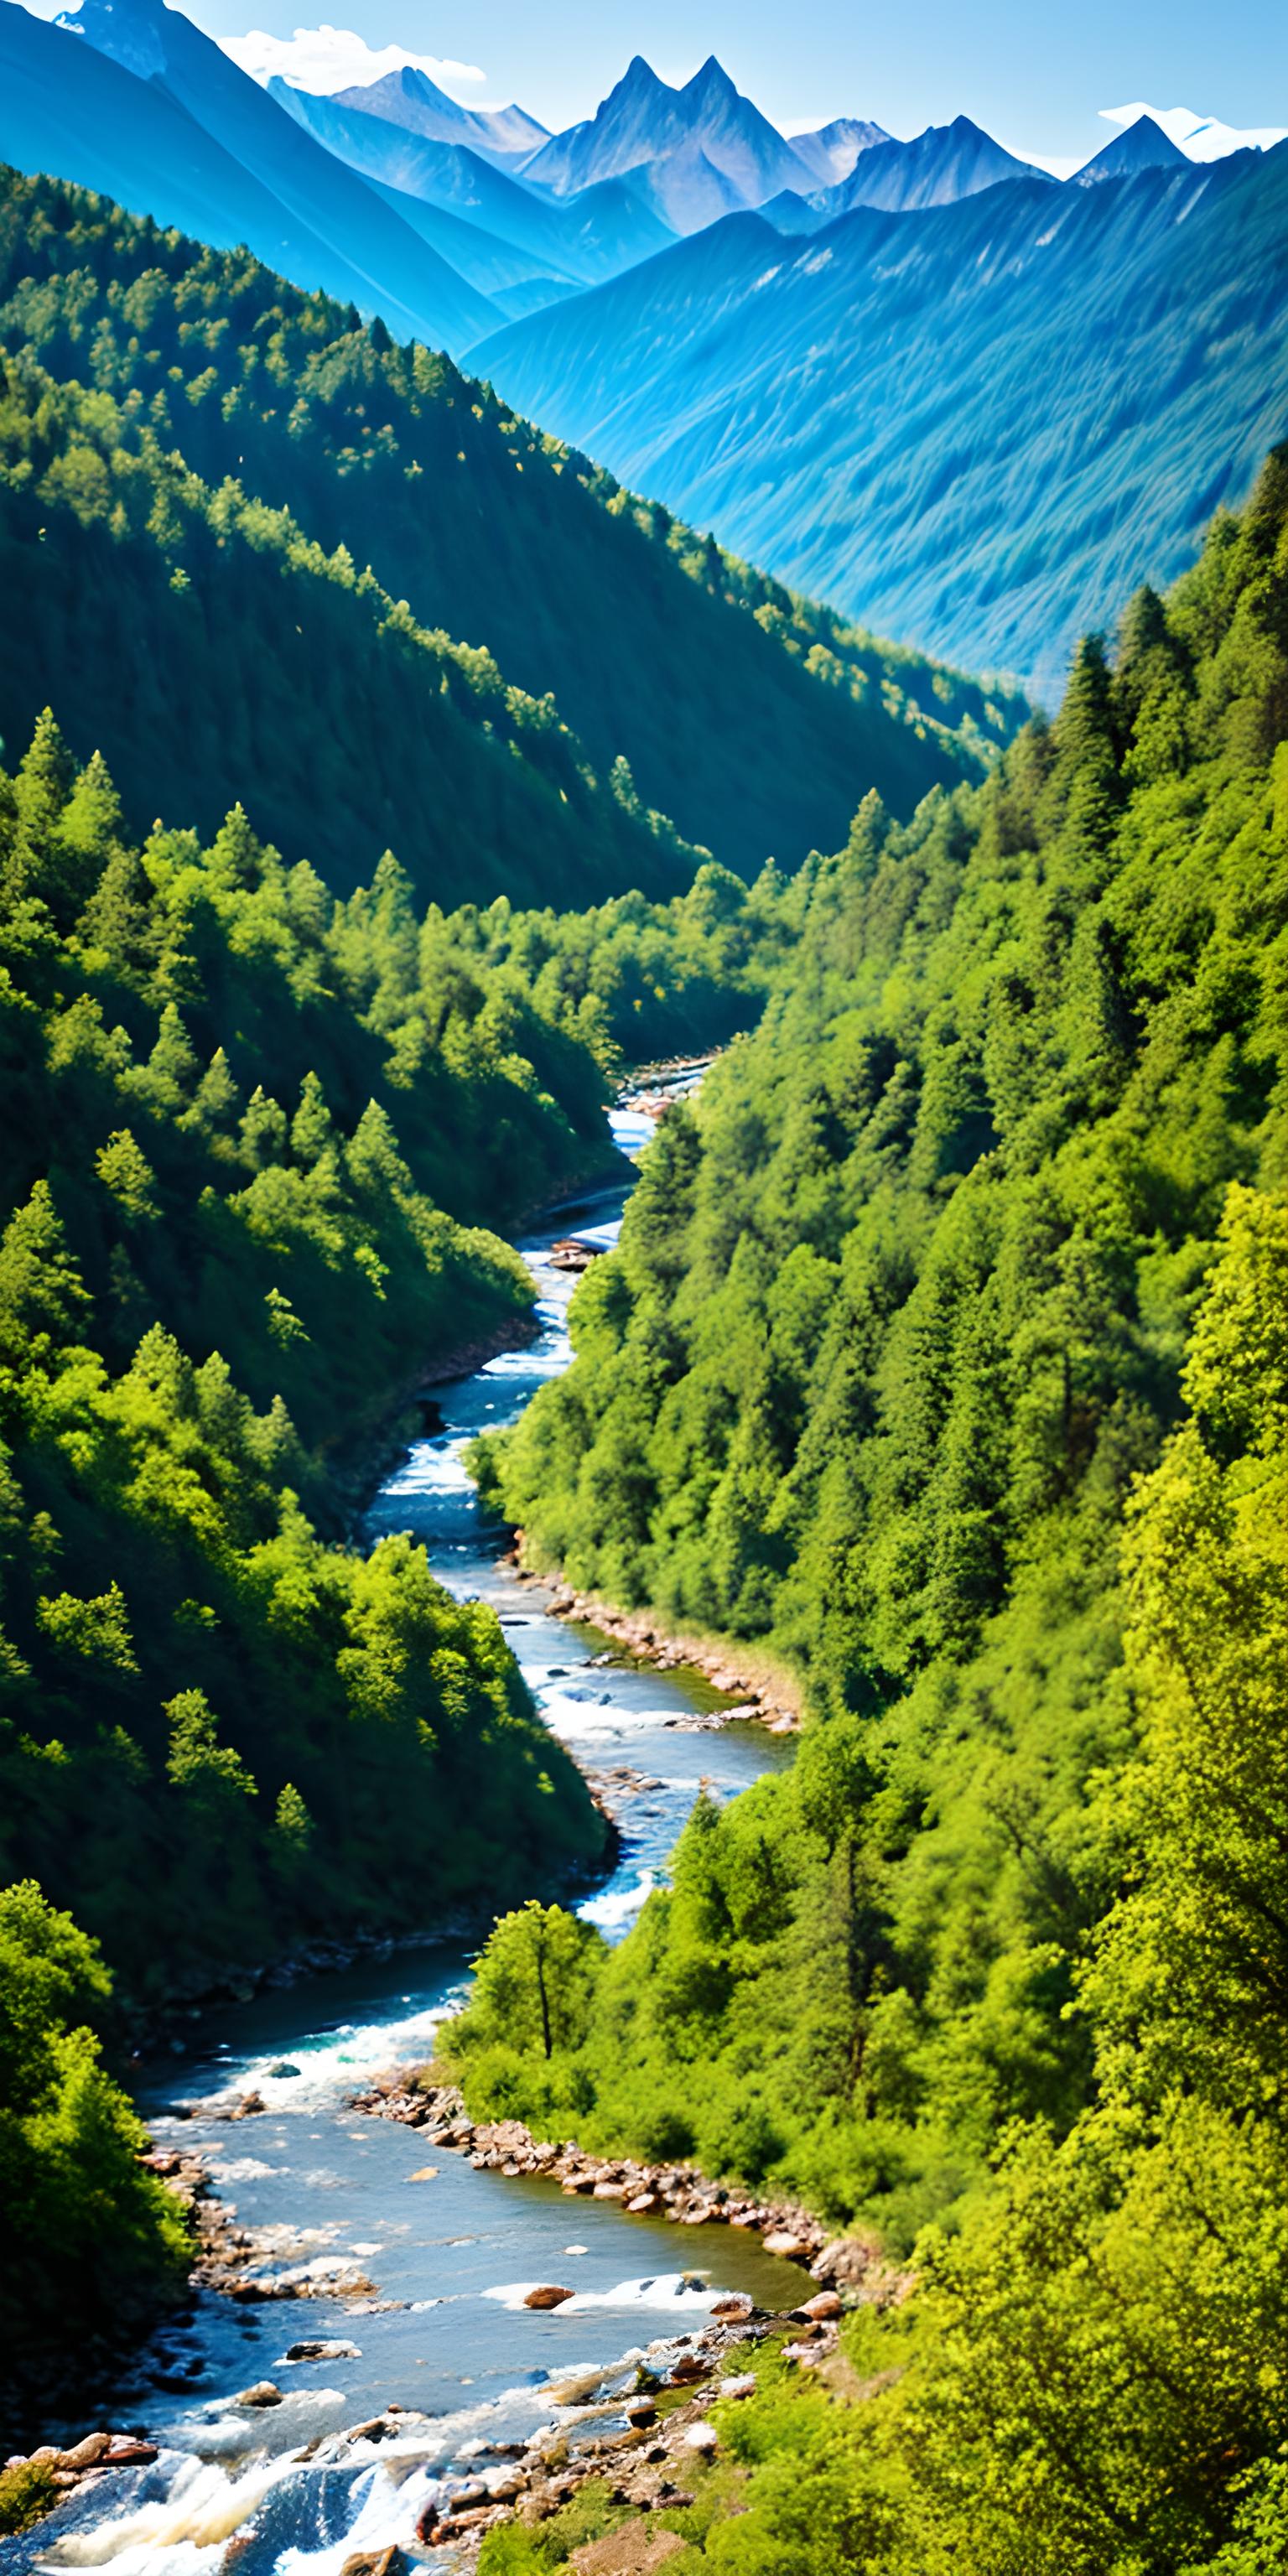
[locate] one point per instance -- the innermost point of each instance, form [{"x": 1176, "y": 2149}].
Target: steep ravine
[{"x": 416, "y": 2277}]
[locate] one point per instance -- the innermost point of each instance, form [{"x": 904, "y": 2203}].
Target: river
[{"x": 439, "y": 2329}]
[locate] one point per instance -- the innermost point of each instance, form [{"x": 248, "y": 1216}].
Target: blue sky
[{"x": 1035, "y": 78}]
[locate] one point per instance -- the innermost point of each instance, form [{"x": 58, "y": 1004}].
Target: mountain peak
[
  {"x": 129, "y": 31},
  {"x": 638, "y": 80},
  {"x": 1140, "y": 146},
  {"x": 712, "y": 80}
]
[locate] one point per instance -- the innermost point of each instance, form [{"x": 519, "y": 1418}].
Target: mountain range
[
  {"x": 136, "y": 102},
  {"x": 409, "y": 97},
  {"x": 822, "y": 345},
  {"x": 983, "y": 424},
  {"x": 528, "y": 675},
  {"x": 562, "y": 243},
  {"x": 696, "y": 152},
  {"x": 938, "y": 168}
]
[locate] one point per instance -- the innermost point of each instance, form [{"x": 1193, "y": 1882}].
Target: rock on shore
[
  {"x": 769, "y": 1699},
  {"x": 852, "y": 2264}
]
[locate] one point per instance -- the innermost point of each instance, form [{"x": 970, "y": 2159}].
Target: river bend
[{"x": 439, "y": 2327}]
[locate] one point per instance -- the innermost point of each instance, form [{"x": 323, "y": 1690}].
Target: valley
[
  {"x": 444, "y": 2334},
  {"x": 643, "y": 1312}
]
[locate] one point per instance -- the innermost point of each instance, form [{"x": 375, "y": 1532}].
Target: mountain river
[{"x": 429, "y": 2273}]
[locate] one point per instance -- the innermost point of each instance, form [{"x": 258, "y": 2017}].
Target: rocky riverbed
[
  {"x": 678, "y": 2192},
  {"x": 757, "y": 1688}
]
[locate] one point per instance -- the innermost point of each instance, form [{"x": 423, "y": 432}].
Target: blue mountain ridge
[
  {"x": 583, "y": 238},
  {"x": 66, "y": 109},
  {"x": 979, "y": 427},
  {"x": 139, "y": 103},
  {"x": 407, "y": 97}
]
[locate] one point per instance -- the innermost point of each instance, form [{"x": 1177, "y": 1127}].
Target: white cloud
[
  {"x": 1203, "y": 138},
  {"x": 324, "y": 59}
]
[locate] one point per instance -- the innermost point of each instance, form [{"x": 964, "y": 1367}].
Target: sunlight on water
[{"x": 667, "y": 2292}]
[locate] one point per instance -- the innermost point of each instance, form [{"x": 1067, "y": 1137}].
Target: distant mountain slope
[
  {"x": 198, "y": 633},
  {"x": 684, "y": 188},
  {"x": 643, "y": 124},
  {"x": 831, "y": 151},
  {"x": 588, "y": 237},
  {"x": 978, "y": 427},
  {"x": 211, "y": 637},
  {"x": 233, "y": 169},
  {"x": 407, "y": 97},
  {"x": 937, "y": 168},
  {"x": 1142, "y": 146}
]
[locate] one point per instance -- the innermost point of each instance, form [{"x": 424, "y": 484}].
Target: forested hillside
[
  {"x": 253, "y": 1138},
  {"x": 888, "y": 1372},
  {"x": 249, "y": 1137},
  {"x": 193, "y": 451}
]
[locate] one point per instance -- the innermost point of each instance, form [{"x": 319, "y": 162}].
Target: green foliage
[
  {"x": 532, "y": 1984},
  {"x": 896, "y": 1323},
  {"x": 252, "y": 1133},
  {"x": 1091, "y": 2376},
  {"x": 26, "y": 2493},
  {"x": 529, "y": 2007},
  {"x": 86, "y": 2234}
]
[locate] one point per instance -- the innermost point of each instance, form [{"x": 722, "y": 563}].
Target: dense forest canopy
[
  {"x": 193, "y": 451},
  {"x": 252, "y": 1131},
  {"x": 256, "y": 1135},
  {"x": 256, "y": 1139},
  {"x": 945, "y": 1351}
]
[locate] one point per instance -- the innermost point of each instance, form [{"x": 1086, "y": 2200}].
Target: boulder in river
[
  {"x": 547, "y": 2295},
  {"x": 263, "y": 2393},
  {"x": 375, "y": 2562},
  {"x": 574, "y": 1253},
  {"x": 333, "y": 2351}
]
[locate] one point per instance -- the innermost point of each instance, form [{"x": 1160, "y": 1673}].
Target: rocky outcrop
[{"x": 234, "y": 2260}]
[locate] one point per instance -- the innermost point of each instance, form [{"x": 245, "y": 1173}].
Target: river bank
[
  {"x": 680, "y": 2193},
  {"x": 419, "y": 2364},
  {"x": 761, "y": 1685}
]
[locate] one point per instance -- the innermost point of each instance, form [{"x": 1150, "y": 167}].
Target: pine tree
[{"x": 311, "y": 1128}]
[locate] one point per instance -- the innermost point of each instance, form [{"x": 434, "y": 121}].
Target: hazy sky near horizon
[{"x": 1034, "y": 79}]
